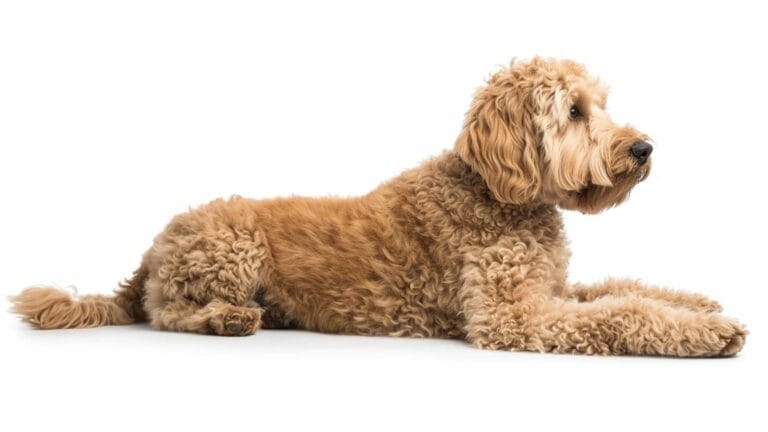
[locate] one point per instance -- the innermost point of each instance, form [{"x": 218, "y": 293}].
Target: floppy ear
[{"x": 499, "y": 143}]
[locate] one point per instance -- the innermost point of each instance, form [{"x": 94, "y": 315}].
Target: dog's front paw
[
  {"x": 733, "y": 337},
  {"x": 702, "y": 303},
  {"x": 710, "y": 335},
  {"x": 729, "y": 336}
]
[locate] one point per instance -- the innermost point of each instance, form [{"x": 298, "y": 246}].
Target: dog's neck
[
  {"x": 474, "y": 189},
  {"x": 445, "y": 192}
]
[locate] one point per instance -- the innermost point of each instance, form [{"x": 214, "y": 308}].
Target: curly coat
[{"x": 468, "y": 245}]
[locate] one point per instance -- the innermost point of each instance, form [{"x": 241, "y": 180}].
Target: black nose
[{"x": 641, "y": 150}]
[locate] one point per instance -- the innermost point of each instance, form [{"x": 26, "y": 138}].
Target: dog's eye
[{"x": 575, "y": 113}]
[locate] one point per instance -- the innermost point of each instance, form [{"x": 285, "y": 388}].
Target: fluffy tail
[{"x": 52, "y": 308}]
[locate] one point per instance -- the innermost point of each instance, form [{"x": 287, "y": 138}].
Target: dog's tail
[{"x": 52, "y": 308}]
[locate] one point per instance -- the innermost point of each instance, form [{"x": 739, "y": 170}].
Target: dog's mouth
[
  {"x": 641, "y": 176},
  {"x": 594, "y": 198},
  {"x": 637, "y": 177}
]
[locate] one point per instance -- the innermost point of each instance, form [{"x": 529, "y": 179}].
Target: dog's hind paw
[{"x": 236, "y": 321}]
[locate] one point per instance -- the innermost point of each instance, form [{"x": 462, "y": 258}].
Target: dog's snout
[{"x": 641, "y": 150}]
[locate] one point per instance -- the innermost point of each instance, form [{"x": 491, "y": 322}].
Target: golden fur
[{"x": 468, "y": 245}]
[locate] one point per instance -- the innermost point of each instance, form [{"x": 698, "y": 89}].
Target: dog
[{"x": 470, "y": 244}]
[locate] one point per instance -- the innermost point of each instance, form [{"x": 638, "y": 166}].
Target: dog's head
[{"x": 539, "y": 132}]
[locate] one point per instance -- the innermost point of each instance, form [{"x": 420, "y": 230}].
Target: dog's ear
[{"x": 499, "y": 143}]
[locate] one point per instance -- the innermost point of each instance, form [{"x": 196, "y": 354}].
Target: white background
[{"x": 114, "y": 116}]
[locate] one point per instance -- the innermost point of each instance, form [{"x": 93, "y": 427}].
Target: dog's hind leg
[
  {"x": 216, "y": 317},
  {"x": 210, "y": 301},
  {"x": 204, "y": 273},
  {"x": 629, "y": 287}
]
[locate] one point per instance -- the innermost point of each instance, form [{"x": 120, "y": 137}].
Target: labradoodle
[{"x": 469, "y": 244}]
